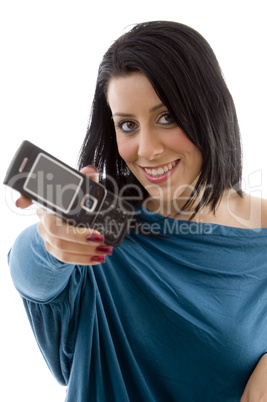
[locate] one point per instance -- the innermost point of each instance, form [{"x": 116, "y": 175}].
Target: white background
[{"x": 50, "y": 52}]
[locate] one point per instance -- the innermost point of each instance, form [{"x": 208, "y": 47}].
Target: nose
[{"x": 150, "y": 145}]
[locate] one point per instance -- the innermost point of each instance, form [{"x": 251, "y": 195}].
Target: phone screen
[{"x": 54, "y": 183}]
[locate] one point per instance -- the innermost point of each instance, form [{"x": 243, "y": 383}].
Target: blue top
[{"x": 180, "y": 316}]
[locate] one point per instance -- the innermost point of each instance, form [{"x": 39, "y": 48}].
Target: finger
[
  {"x": 66, "y": 246},
  {"x": 74, "y": 253},
  {"x": 76, "y": 259},
  {"x": 57, "y": 228},
  {"x": 90, "y": 171},
  {"x": 23, "y": 202}
]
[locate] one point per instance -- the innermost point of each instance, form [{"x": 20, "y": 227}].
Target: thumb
[{"x": 90, "y": 171}]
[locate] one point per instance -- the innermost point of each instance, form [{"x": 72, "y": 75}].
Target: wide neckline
[{"x": 207, "y": 228}]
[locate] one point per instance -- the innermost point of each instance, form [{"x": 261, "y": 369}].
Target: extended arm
[{"x": 43, "y": 257}]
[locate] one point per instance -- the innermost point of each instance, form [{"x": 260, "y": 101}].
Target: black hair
[{"x": 185, "y": 74}]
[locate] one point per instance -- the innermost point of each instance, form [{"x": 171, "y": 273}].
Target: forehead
[{"x": 134, "y": 87}]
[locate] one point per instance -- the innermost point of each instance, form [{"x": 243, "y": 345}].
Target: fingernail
[
  {"x": 98, "y": 258},
  {"x": 17, "y": 203},
  {"x": 104, "y": 249},
  {"x": 95, "y": 237}
]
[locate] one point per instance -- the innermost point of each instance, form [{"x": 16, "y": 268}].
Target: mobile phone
[{"x": 69, "y": 194}]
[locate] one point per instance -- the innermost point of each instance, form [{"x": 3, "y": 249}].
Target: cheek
[
  {"x": 185, "y": 146},
  {"x": 180, "y": 141},
  {"x": 126, "y": 151}
]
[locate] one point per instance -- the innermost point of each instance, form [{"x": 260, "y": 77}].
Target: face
[{"x": 154, "y": 148}]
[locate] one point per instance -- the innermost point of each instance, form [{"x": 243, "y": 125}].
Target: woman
[{"x": 178, "y": 311}]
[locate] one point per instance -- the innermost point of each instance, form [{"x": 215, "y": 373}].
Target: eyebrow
[{"x": 153, "y": 109}]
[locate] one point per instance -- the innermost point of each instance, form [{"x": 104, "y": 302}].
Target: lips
[
  {"x": 158, "y": 174},
  {"x": 161, "y": 170}
]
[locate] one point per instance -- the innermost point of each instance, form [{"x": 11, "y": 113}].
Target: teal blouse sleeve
[{"x": 36, "y": 274}]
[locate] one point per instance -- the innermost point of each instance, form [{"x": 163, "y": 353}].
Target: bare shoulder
[
  {"x": 253, "y": 210},
  {"x": 248, "y": 212},
  {"x": 264, "y": 213}
]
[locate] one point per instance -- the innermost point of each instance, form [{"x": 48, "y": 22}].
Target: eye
[
  {"x": 166, "y": 119},
  {"x": 127, "y": 126}
]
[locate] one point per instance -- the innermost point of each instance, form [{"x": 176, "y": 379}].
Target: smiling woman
[
  {"x": 151, "y": 144},
  {"x": 188, "y": 83},
  {"x": 178, "y": 310}
]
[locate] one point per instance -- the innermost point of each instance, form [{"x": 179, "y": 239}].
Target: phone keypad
[
  {"x": 113, "y": 220},
  {"x": 89, "y": 203}
]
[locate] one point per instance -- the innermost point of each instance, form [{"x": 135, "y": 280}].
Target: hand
[
  {"x": 67, "y": 243},
  {"x": 256, "y": 388}
]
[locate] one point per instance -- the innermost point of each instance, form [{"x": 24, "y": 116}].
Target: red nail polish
[
  {"x": 94, "y": 237},
  {"x": 104, "y": 249},
  {"x": 98, "y": 258}
]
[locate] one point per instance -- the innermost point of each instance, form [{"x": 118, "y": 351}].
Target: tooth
[{"x": 160, "y": 171}]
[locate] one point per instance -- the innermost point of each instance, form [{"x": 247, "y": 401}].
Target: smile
[
  {"x": 161, "y": 170},
  {"x": 161, "y": 173}
]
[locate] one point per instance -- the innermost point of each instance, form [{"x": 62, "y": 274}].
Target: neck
[{"x": 173, "y": 208}]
